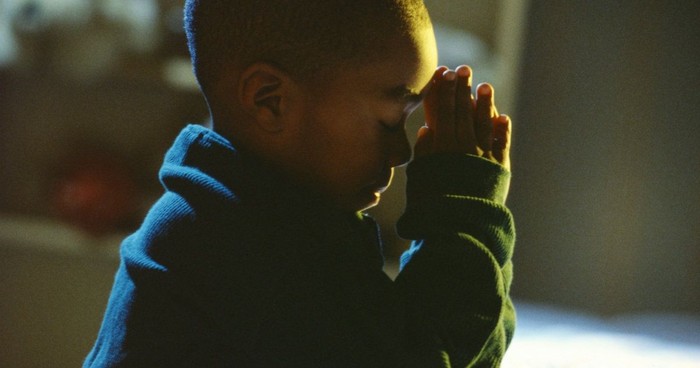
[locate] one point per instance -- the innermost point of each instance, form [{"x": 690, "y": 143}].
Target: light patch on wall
[
  {"x": 178, "y": 73},
  {"x": 457, "y": 47},
  {"x": 8, "y": 43}
]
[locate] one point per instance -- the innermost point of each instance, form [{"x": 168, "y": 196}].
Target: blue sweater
[{"x": 233, "y": 267}]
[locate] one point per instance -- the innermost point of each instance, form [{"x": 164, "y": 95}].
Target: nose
[{"x": 399, "y": 148}]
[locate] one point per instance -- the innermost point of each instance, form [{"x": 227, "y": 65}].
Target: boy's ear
[{"x": 264, "y": 92}]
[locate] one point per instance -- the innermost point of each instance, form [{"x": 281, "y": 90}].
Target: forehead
[
  {"x": 407, "y": 61},
  {"x": 410, "y": 59}
]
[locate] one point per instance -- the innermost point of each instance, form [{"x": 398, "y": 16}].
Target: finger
[
  {"x": 485, "y": 112},
  {"x": 430, "y": 102},
  {"x": 464, "y": 120},
  {"x": 444, "y": 138},
  {"x": 424, "y": 142},
  {"x": 501, "y": 140}
]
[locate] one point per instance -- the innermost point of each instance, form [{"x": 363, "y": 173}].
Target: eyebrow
[{"x": 405, "y": 93}]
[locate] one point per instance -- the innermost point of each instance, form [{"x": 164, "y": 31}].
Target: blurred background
[{"x": 606, "y": 183}]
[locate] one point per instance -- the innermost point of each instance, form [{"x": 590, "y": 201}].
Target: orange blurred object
[{"x": 97, "y": 193}]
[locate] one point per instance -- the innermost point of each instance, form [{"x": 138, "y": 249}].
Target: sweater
[{"x": 235, "y": 267}]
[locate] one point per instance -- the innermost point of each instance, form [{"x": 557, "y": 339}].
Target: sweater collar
[{"x": 211, "y": 165}]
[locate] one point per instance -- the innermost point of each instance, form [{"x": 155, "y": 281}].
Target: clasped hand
[{"x": 458, "y": 122}]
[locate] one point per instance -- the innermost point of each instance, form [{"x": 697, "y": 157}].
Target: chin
[
  {"x": 373, "y": 202},
  {"x": 360, "y": 201}
]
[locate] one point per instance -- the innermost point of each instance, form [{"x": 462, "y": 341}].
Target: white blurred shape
[
  {"x": 178, "y": 73},
  {"x": 66, "y": 13},
  {"x": 457, "y": 47},
  {"x": 140, "y": 21},
  {"x": 8, "y": 43}
]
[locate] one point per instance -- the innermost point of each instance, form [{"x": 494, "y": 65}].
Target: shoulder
[{"x": 187, "y": 237}]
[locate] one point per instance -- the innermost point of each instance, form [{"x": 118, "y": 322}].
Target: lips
[{"x": 383, "y": 181}]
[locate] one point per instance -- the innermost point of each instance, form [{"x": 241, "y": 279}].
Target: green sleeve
[{"x": 456, "y": 277}]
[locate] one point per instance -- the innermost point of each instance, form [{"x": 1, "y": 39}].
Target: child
[{"x": 257, "y": 255}]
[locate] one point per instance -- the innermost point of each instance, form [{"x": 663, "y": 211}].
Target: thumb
[
  {"x": 424, "y": 142},
  {"x": 501, "y": 140}
]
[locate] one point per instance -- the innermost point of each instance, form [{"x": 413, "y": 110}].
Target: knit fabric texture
[{"x": 235, "y": 267}]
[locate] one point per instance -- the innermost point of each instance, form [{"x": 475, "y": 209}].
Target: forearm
[{"x": 456, "y": 277}]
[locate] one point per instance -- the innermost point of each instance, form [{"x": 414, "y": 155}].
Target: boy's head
[
  {"x": 319, "y": 88},
  {"x": 300, "y": 36}
]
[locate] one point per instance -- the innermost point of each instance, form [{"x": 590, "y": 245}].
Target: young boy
[{"x": 257, "y": 255}]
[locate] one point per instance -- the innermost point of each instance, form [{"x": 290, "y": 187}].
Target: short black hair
[{"x": 301, "y": 37}]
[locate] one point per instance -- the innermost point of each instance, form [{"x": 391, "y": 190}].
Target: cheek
[
  {"x": 355, "y": 159},
  {"x": 346, "y": 142},
  {"x": 391, "y": 113},
  {"x": 346, "y": 131}
]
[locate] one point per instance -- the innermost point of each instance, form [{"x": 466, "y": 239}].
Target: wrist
[{"x": 456, "y": 174}]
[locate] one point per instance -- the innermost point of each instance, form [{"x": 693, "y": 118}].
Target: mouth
[{"x": 383, "y": 181}]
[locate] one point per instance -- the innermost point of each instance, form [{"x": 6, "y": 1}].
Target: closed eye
[
  {"x": 406, "y": 95},
  {"x": 393, "y": 127}
]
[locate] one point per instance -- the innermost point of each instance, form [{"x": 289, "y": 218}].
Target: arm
[{"x": 456, "y": 277}]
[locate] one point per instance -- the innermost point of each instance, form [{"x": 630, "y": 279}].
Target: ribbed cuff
[{"x": 456, "y": 174}]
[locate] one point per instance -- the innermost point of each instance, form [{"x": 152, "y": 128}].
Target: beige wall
[
  {"x": 607, "y": 156},
  {"x": 479, "y": 17},
  {"x": 52, "y": 305}
]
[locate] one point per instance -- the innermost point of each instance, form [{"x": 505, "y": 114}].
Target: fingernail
[
  {"x": 463, "y": 71},
  {"x": 484, "y": 90},
  {"x": 450, "y": 75}
]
